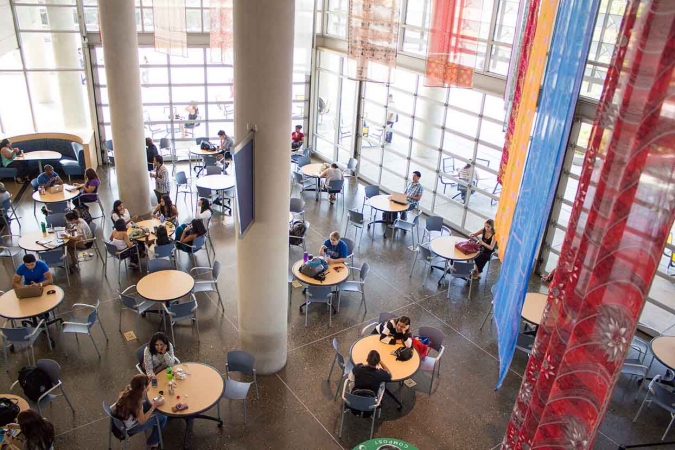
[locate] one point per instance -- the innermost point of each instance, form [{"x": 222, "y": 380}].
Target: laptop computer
[
  {"x": 56, "y": 188},
  {"x": 399, "y": 198},
  {"x": 28, "y": 291}
]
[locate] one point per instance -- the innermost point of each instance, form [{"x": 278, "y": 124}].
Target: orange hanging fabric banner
[{"x": 524, "y": 117}]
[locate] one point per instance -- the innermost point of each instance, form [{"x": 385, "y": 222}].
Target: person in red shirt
[{"x": 297, "y": 138}]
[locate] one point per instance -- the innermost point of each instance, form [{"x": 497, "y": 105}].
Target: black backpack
[
  {"x": 297, "y": 229},
  {"x": 34, "y": 382},
  {"x": 9, "y": 409},
  {"x": 403, "y": 353}
]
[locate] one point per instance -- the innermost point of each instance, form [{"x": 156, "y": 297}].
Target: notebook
[
  {"x": 72, "y": 188},
  {"x": 399, "y": 198},
  {"x": 56, "y": 188},
  {"x": 28, "y": 291}
]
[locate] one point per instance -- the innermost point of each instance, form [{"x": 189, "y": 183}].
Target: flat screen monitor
[{"x": 244, "y": 174}]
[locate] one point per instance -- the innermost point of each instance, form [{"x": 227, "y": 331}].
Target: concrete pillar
[
  {"x": 263, "y": 66},
  {"x": 74, "y": 108},
  {"x": 120, "y": 49}
]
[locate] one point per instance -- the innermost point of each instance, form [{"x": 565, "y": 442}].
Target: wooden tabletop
[
  {"x": 216, "y": 182},
  {"x": 12, "y": 307},
  {"x": 150, "y": 224},
  {"x": 200, "y": 390},
  {"x": 20, "y": 401},
  {"x": 533, "y": 308},
  {"x": 62, "y": 196},
  {"x": 382, "y": 203},
  {"x": 333, "y": 276},
  {"x": 312, "y": 170},
  {"x": 444, "y": 246},
  {"x": 663, "y": 348},
  {"x": 165, "y": 285},
  {"x": 28, "y": 241},
  {"x": 39, "y": 155},
  {"x": 197, "y": 150},
  {"x": 400, "y": 370}
]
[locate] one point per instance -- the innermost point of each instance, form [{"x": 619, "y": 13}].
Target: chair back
[
  {"x": 164, "y": 143},
  {"x": 140, "y": 354},
  {"x": 109, "y": 145},
  {"x": 663, "y": 397},
  {"x": 425, "y": 252},
  {"x": 128, "y": 301},
  {"x": 216, "y": 270},
  {"x": 240, "y": 361},
  {"x": 435, "y": 335},
  {"x": 56, "y": 220},
  {"x": 164, "y": 250},
  {"x": 156, "y": 265},
  {"x": 462, "y": 269},
  {"x": 114, "y": 421},
  {"x": 351, "y": 165},
  {"x": 360, "y": 403},
  {"x": 198, "y": 243},
  {"x": 199, "y": 140},
  {"x": 93, "y": 315},
  {"x": 303, "y": 161},
  {"x": 416, "y": 220},
  {"x": 335, "y": 185},
  {"x": 53, "y": 257},
  {"x": 58, "y": 207},
  {"x": 365, "y": 268},
  {"x": 385, "y": 316},
  {"x": 372, "y": 191},
  {"x": 51, "y": 368},
  {"x": 181, "y": 178},
  {"x": 297, "y": 177},
  {"x": 203, "y": 192},
  {"x": 434, "y": 223},
  {"x": 355, "y": 216},
  {"x": 34, "y": 183},
  {"x": 340, "y": 358},
  {"x": 16, "y": 334},
  {"x": 350, "y": 246},
  {"x": 112, "y": 250},
  {"x": 94, "y": 228},
  {"x": 209, "y": 160},
  {"x": 319, "y": 294},
  {"x": 297, "y": 204},
  {"x": 213, "y": 170},
  {"x": 182, "y": 310}
]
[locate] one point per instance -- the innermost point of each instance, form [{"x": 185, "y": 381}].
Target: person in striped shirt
[{"x": 394, "y": 331}]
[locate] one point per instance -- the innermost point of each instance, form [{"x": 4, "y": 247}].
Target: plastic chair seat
[
  {"x": 204, "y": 286},
  {"x": 144, "y": 306},
  {"x": 350, "y": 286},
  {"x": 428, "y": 363},
  {"x": 236, "y": 390},
  {"x": 76, "y": 328},
  {"x": 9, "y": 251},
  {"x": 404, "y": 225}
]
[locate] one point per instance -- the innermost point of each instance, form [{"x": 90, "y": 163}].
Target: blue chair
[
  {"x": 166, "y": 251},
  {"x": 8, "y": 172},
  {"x": 127, "y": 433},
  {"x": 183, "y": 187},
  {"x": 344, "y": 364},
  {"x": 236, "y": 390},
  {"x": 140, "y": 356},
  {"x": 9, "y": 247},
  {"x": 179, "y": 312},
  {"x": 78, "y": 325},
  {"x": 351, "y": 402},
  {"x": 336, "y": 187},
  {"x": 210, "y": 285},
  {"x": 120, "y": 256},
  {"x": 130, "y": 303},
  {"x": 9, "y": 213},
  {"x": 56, "y": 220},
  {"x": 370, "y": 191},
  {"x": 34, "y": 184},
  {"x": 53, "y": 371},
  {"x": 319, "y": 294},
  {"x": 244, "y": 362},
  {"x": 411, "y": 227},
  {"x": 156, "y": 265},
  {"x": 24, "y": 336},
  {"x": 356, "y": 286},
  {"x": 74, "y": 167},
  {"x": 198, "y": 244},
  {"x": 56, "y": 258}
]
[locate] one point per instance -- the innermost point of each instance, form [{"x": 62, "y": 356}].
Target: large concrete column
[
  {"x": 263, "y": 66},
  {"x": 74, "y": 108},
  {"x": 120, "y": 49}
]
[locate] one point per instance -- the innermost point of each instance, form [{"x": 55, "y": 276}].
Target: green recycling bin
[{"x": 385, "y": 444}]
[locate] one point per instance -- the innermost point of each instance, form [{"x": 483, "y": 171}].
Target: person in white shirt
[
  {"x": 80, "y": 233},
  {"x": 469, "y": 175},
  {"x": 330, "y": 174},
  {"x": 204, "y": 210},
  {"x": 138, "y": 413},
  {"x": 120, "y": 212}
]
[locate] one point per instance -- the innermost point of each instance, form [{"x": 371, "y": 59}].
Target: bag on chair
[
  {"x": 83, "y": 212},
  {"x": 468, "y": 247},
  {"x": 34, "y": 382},
  {"x": 297, "y": 231},
  {"x": 422, "y": 345}
]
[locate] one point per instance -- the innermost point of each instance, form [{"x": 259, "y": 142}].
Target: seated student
[
  {"x": 8, "y": 156},
  {"x": 120, "y": 212},
  {"x": 334, "y": 249},
  {"x": 188, "y": 233},
  {"x": 167, "y": 209},
  {"x": 158, "y": 355},
  {"x": 330, "y": 174},
  {"x": 137, "y": 413},
  {"x": 369, "y": 376},
  {"x": 48, "y": 178},
  {"x": 80, "y": 232},
  {"x": 226, "y": 143},
  {"x": 204, "y": 210},
  {"x": 36, "y": 433},
  {"x": 33, "y": 272},
  {"x": 89, "y": 189},
  {"x": 395, "y": 330},
  {"x": 161, "y": 238},
  {"x": 297, "y": 138},
  {"x": 150, "y": 150},
  {"x": 120, "y": 239},
  {"x": 4, "y": 194}
]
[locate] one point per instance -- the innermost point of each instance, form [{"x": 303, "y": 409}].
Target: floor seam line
[{"x": 81, "y": 426}]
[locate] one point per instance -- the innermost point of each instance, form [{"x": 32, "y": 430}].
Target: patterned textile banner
[
  {"x": 564, "y": 71},
  {"x": 453, "y": 42},
  {"x": 516, "y": 49},
  {"x": 531, "y": 66},
  {"x": 304, "y": 31},
  {"x": 169, "y": 22},
  {"x": 620, "y": 221},
  {"x": 222, "y": 29},
  {"x": 373, "y": 33}
]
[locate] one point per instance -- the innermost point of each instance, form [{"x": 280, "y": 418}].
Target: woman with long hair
[
  {"x": 486, "y": 239},
  {"x": 89, "y": 189},
  {"x": 188, "y": 233},
  {"x": 120, "y": 212},
  {"x": 37, "y": 433},
  {"x": 158, "y": 354},
  {"x": 137, "y": 413},
  {"x": 204, "y": 210},
  {"x": 167, "y": 209},
  {"x": 120, "y": 239},
  {"x": 8, "y": 156}
]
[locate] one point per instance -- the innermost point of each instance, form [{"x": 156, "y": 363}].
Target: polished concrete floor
[{"x": 296, "y": 407}]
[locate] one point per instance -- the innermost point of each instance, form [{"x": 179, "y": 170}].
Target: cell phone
[
  {"x": 154, "y": 382},
  {"x": 51, "y": 291}
]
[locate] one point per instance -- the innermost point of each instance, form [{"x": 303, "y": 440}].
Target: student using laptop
[
  {"x": 33, "y": 272},
  {"x": 334, "y": 250},
  {"x": 413, "y": 193},
  {"x": 49, "y": 178}
]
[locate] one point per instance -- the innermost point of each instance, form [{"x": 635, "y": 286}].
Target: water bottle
[
  {"x": 169, "y": 374},
  {"x": 305, "y": 257},
  {"x": 162, "y": 219},
  {"x": 44, "y": 228}
]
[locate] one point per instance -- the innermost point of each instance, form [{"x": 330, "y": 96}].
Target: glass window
[{"x": 14, "y": 104}]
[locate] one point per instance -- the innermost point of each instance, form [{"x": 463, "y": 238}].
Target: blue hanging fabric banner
[{"x": 564, "y": 71}]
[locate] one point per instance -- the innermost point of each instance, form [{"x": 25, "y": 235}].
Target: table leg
[
  {"x": 189, "y": 422},
  {"x": 393, "y": 397},
  {"x": 318, "y": 188},
  {"x": 40, "y": 165}
]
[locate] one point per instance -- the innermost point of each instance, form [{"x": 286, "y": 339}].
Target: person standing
[
  {"x": 150, "y": 150},
  {"x": 161, "y": 176},
  {"x": 392, "y": 118}
]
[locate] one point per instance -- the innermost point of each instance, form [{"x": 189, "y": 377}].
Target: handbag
[
  {"x": 315, "y": 268},
  {"x": 422, "y": 344},
  {"x": 468, "y": 247},
  {"x": 403, "y": 353}
]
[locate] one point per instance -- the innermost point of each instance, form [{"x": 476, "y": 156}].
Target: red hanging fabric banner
[
  {"x": 222, "y": 28},
  {"x": 453, "y": 43},
  {"x": 622, "y": 215}
]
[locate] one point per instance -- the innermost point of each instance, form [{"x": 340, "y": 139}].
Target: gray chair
[
  {"x": 355, "y": 219},
  {"x": 94, "y": 240},
  {"x": 130, "y": 303},
  {"x": 98, "y": 202},
  {"x": 23, "y": 336},
  {"x": 641, "y": 345},
  {"x": 166, "y": 251},
  {"x": 183, "y": 186},
  {"x": 297, "y": 206},
  {"x": 9, "y": 247},
  {"x": 344, "y": 364},
  {"x": 434, "y": 223},
  {"x": 165, "y": 144},
  {"x": 350, "y": 171},
  {"x": 433, "y": 363},
  {"x": 303, "y": 182},
  {"x": 356, "y": 286},
  {"x": 370, "y": 191},
  {"x": 236, "y": 390},
  {"x": 303, "y": 161},
  {"x": 198, "y": 244},
  {"x": 462, "y": 269},
  {"x": 661, "y": 395},
  {"x": 243, "y": 362},
  {"x": 319, "y": 294},
  {"x": 57, "y": 258},
  {"x": 179, "y": 312},
  {"x": 120, "y": 256},
  {"x": 156, "y": 265},
  {"x": 117, "y": 424},
  {"x": 635, "y": 370},
  {"x": 209, "y": 285},
  {"x": 303, "y": 239},
  {"x": 9, "y": 213},
  {"x": 524, "y": 343},
  {"x": 213, "y": 170},
  {"x": 78, "y": 325},
  {"x": 56, "y": 220},
  {"x": 140, "y": 356},
  {"x": 350, "y": 250},
  {"x": 411, "y": 227},
  {"x": 492, "y": 305},
  {"x": 358, "y": 403},
  {"x": 425, "y": 256},
  {"x": 58, "y": 207},
  {"x": 206, "y": 193},
  {"x": 383, "y": 317},
  {"x": 337, "y": 187},
  {"x": 53, "y": 371}
]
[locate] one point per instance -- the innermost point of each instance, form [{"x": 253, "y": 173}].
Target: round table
[
  {"x": 59, "y": 197},
  {"x": 333, "y": 276},
  {"x": 150, "y": 224},
  {"x": 12, "y": 307},
  {"x": 444, "y": 246},
  {"x": 383, "y": 203},
  {"x": 197, "y": 150},
  {"x": 28, "y": 241},
  {"x": 400, "y": 370},
  {"x": 201, "y": 390},
  {"x": 218, "y": 183},
  {"x": 165, "y": 285},
  {"x": 313, "y": 171},
  {"x": 663, "y": 348},
  {"x": 533, "y": 308},
  {"x": 20, "y": 401},
  {"x": 39, "y": 156}
]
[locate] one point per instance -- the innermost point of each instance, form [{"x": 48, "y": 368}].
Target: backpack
[
  {"x": 403, "y": 353},
  {"x": 297, "y": 231},
  {"x": 363, "y": 393},
  {"x": 315, "y": 268},
  {"x": 206, "y": 145},
  {"x": 34, "y": 382},
  {"x": 422, "y": 345},
  {"x": 9, "y": 409}
]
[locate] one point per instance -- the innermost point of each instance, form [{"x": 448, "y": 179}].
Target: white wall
[{"x": 7, "y": 36}]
